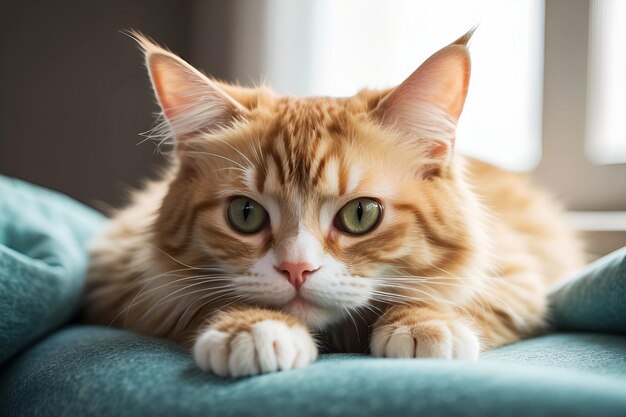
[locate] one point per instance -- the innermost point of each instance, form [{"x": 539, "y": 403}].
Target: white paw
[
  {"x": 429, "y": 339},
  {"x": 270, "y": 346}
]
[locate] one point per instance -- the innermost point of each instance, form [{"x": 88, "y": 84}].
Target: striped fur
[{"x": 461, "y": 260}]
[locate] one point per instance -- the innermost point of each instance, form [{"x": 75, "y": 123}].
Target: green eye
[
  {"x": 246, "y": 215},
  {"x": 359, "y": 216}
]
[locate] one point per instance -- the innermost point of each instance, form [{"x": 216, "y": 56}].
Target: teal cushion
[
  {"x": 97, "y": 371},
  {"x": 42, "y": 261},
  {"x": 594, "y": 299},
  {"x": 92, "y": 371}
]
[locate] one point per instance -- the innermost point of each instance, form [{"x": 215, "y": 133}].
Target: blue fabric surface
[
  {"x": 595, "y": 299},
  {"x": 92, "y": 371},
  {"x": 42, "y": 261}
]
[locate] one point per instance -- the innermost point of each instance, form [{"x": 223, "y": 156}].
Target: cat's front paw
[
  {"x": 427, "y": 339},
  {"x": 267, "y": 346}
]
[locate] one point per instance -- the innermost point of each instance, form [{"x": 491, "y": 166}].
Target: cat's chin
[{"x": 313, "y": 315}]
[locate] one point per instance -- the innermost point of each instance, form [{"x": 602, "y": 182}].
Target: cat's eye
[
  {"x": 359, "y": 216},
  {"x": 246, "y": 215}
]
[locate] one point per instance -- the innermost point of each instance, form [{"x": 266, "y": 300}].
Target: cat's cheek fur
[
  {"x": 432, "y": 338},
  {"x": 269, "y": 346}
]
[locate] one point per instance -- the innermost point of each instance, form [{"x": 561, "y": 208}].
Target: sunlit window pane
[
  {"x": 606, "y": 111},
  {"x": 373, "y": 43}
]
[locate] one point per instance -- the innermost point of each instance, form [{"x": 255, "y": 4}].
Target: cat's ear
[
  {"x": 427, "y": 105},
  {"x": 191, "y": 102}
]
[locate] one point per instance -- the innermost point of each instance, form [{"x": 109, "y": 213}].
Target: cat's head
[{"x": 317, "y": 206}]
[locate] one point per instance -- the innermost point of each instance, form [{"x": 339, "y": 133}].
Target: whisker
[
  {"x": 166, "y": 300},
  {"x": 430, "y": 296},
  {"x": 174, "y": 259},
  {"x": 217, "y": 156},
  {"x": 235, "y": 149},
  {"x": 140, "y": 295},
  {"x": 480, "y": 291},
  {"x": 356, "y": 329},
  {"x": 210, "y": 298}
]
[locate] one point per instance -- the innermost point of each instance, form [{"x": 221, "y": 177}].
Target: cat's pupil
[
  {"x": 246, "y": 210},
  {"x": 359, "y": 211}
]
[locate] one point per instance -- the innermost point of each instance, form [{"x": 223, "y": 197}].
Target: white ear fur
[
  {"x": 427, "y": 105},
  {"x": 190, "y": 101}
]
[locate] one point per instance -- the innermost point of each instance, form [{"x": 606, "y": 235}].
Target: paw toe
[
  {"x": 430, "y": 339},
  {"x": 269, "y": 346},
  {"x": 466, "y": 343},
  {"x": 401, "y": 343},
  {"x": 243, "y": 357},
  {"x": 210, "y": 352},
  {"x": 274, "y": 346}
]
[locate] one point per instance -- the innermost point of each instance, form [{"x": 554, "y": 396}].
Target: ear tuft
[
  {"x": 145, "y": 43},
  {"x": 427, "y": 105},
  {"x": 190, "y": 101},
  {"x": 464, "y": 40}
]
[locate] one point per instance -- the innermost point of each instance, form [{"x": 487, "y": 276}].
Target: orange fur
[{"x": 462, "y": 246}]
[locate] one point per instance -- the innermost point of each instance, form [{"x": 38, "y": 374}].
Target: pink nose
[{"x": 297, "y": 274}]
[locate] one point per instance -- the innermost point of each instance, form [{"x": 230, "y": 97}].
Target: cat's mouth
[
  {"x": 303, "y": 306},
  {"x": 302, "y": 303},
  {"x": 313, "y": 314}
]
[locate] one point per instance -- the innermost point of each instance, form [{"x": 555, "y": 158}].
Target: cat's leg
[
  {"x": 252, "y": 341},
  {"x": 423, "y": 332}
]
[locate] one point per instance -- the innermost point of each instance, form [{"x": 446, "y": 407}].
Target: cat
[{"x": 283, "y": 226}]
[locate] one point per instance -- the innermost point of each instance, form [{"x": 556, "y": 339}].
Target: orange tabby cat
[{"x": 350, "y": 221}]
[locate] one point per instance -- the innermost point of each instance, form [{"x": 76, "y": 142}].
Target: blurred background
[{"x": 548, "y": 90}]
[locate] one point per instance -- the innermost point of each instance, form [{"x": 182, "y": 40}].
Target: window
[
  {"x": 606, "y": 105},
  {"x": 353, "y": 44},
  {"x": 555, "y": 113}
]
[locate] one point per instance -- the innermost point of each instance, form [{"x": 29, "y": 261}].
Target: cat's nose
[{"x": 298, "y": 273}]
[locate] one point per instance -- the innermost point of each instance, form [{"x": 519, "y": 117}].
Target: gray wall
[{"x": 74, "y": 95}]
